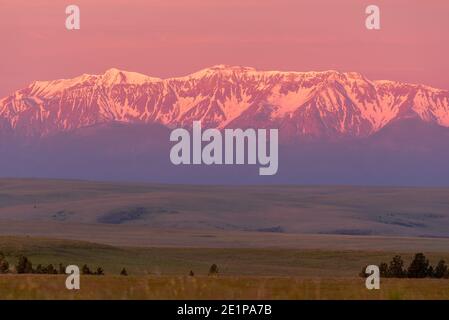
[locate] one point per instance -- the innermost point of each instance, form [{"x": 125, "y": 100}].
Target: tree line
[
  {"x": 25, "y": 266},
  {"x": 420, "y": 267}
]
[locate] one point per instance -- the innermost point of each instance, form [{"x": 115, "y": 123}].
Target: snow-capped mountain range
[
  {"x": 334, "y": 127},
  {"x": 301, "y": 104}
]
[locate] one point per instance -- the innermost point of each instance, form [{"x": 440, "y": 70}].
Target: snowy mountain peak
[
  {"x": 301, "y": 104},
  {"x": 115, "y": 76},
  {"x": 221, "y": 69},
  {"x": 110, "y": 77}
]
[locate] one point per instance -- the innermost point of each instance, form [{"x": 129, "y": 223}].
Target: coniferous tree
[
  {"x": 430, "y": 272},
  {"x": 124, "y": 272},
  {"x": 4, "y": 265},
  {"x": 441, "y": 269},
  {"x": 51, "y": 269},
  {"x": 39, "y": 269},
  {"x": 24, "y": 265},
  {"x": 191, "y": 273},
  {"x": 419, "y": 268},
  {"x": 396, "y": 268}
]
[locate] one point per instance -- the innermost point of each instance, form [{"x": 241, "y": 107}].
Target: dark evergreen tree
[
  {"x": 4, "y": 265},
  {"x": 61, "y": 268},
  {"x": 100, "y": 271},
  {"x": 51, "y": 269},
  {"x": 24, "y": 265},
  {"x": 430, "y": 272},
  {"x": 441, "y": 269},
  {"x": 39, "y": 269},
  {"x": 191, "y": 273},
  {"x": 419, "y": 268},
  {"x": 396, "y": 268},
  {"x": 124, "y": 272}
]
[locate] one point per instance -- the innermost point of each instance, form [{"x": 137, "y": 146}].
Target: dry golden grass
[{"x": 177, "y": 287}]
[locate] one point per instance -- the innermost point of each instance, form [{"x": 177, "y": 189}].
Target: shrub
[
  {"x": 100, "y": 271},
  {"x": 213, "y": 270},
  {"x": 124, "y": 272},
  {"x": 85, "y": 270}
]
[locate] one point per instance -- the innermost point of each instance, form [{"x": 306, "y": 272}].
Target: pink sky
[{"x": 167, "y": 38}]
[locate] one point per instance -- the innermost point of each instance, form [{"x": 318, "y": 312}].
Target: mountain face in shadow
[{"x": 417, "y": 155}]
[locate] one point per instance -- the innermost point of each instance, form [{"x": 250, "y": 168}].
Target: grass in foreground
[{"x": 200, "y": 288}]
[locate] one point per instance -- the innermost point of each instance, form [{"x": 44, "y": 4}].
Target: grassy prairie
[
  {"x": 179, "y": 261},
  {"x": 161, "y": 273},
  {"x": 222, "y": 287}
]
